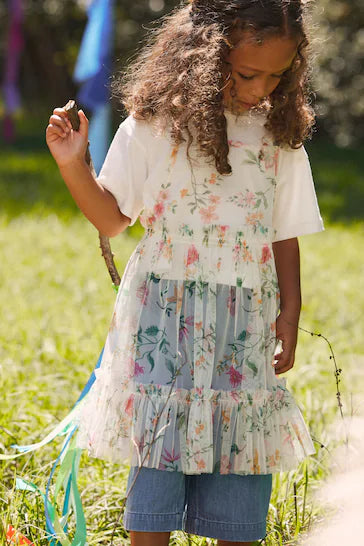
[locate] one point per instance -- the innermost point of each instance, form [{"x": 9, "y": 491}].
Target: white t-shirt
[{"x": 138, "y": 161}]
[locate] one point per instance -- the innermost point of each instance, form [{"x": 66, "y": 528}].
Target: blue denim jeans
[{"x": 223, "y": 506}]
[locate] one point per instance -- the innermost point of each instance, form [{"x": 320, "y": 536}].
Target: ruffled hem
[{"x": 251, "y": 431}]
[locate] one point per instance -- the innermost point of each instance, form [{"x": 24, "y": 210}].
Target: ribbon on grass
[
  {"x": 67, "y": 478},
  {"x": 69, "y": 459}
]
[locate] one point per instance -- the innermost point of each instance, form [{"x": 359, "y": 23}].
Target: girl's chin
[{"x": 238, "y": 107}]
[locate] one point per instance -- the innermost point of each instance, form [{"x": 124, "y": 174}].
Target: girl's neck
[{"x": 244, "y": 114}]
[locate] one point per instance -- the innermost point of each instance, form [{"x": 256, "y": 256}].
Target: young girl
[{"x": 211, "y": 159}]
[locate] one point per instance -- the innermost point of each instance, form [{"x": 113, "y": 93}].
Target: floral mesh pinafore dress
[{"x": 186, "y": 381}]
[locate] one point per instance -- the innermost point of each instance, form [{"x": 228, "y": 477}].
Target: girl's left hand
[{"x": 287, "y": 333}]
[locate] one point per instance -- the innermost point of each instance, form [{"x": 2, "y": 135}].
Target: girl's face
[{"x": 256, "y": 70}]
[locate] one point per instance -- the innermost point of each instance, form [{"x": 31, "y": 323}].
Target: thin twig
[
  {"x": 337, "y": 373},
  {"x": 72, "y": 113}
]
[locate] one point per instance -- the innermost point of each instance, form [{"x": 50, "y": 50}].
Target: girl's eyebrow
[{"x": 256, "y": 70}]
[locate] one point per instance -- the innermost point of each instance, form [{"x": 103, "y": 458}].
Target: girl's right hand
[{"x": 65, "y": 144}]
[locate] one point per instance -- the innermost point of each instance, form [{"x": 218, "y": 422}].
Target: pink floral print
[
  {"x": 235, "y": 377},
  {"x": 192, "y": 255},
  {"x": 266, "y": 254}
]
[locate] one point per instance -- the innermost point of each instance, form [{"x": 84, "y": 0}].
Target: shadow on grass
[{"x": 31, "y": 184}]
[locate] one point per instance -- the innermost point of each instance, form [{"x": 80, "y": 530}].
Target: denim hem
[
  {"x": 238, "y": 532},
  {"x": 134, "y": 521}
]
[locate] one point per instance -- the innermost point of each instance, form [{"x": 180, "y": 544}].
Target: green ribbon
[
  {"x": 61, "y": 429},
  {"x": 67, "y": 474},
  {"x": 67, "y": 478}
]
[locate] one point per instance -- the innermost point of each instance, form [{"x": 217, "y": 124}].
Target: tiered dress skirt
[{"x": 186, "y": 380}]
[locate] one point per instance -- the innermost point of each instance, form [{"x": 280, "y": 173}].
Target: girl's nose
[{"x": 259, "y": 89}]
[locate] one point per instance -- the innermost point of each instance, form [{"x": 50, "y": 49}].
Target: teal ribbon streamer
[{"x": 69, "y": 458}]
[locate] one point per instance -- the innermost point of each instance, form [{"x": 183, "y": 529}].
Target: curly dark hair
[{"x": 179, "y": 75}]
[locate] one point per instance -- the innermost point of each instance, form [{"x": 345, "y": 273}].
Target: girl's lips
[{"x": 248, "y": 104}]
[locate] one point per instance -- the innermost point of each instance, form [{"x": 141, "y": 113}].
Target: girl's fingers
[
  {"x": 61, "y": 113},
  {"x": 58, "y": 121},
  {"x": 282, "y": 370},
  {"x": 283, "y": 362},
  {"x": 56, "y": 126},
  {"x": 55, "y": 130},
  {"x": 83, "y": 129},
  {"x": 60, "y": 127}
]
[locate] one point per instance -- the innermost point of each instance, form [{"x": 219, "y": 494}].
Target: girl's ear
[
  {"x": 226, "y": 69},
  {"x": 228, "y": 42},
  {"x": 295, "y": 64}
]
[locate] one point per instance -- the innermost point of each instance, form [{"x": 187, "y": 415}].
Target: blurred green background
[{"x": 53, "y": 30}]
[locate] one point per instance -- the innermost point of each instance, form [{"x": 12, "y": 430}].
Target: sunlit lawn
[{"x": 57, "y": 300}]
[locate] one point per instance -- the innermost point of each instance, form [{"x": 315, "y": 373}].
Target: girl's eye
[
  {"x": 280, "y": 75},
  {"x": 246, "y": 77}
]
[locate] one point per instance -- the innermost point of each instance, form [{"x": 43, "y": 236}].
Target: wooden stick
[{"x": 108, "y": 255}]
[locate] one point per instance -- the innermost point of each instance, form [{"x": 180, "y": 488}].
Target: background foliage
[
  {"x": 339, "y": 76},
  {"x": 53, "y": 30}
]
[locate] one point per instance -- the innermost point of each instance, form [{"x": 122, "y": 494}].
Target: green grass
[{"x": 57, "y": 302}]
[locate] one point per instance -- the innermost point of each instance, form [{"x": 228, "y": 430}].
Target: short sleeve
[
  {"x": 295, "y": 210},
  {"x": 125, "y": 169}
]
